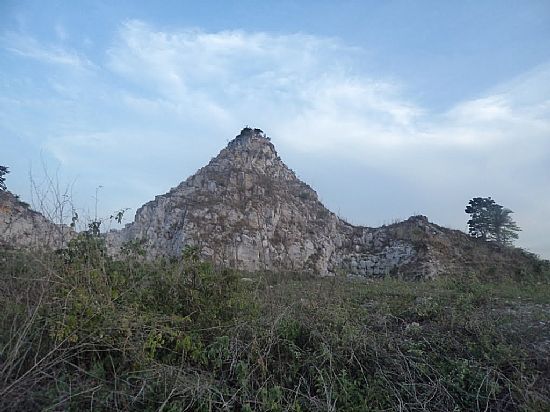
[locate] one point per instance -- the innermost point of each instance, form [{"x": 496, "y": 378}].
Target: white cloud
[
  {"x": 29, "y": 47},
  {"x": 172, "y": 94},
  {"x": 305, "y": 92},
  {"x": 282, "y": 82}
]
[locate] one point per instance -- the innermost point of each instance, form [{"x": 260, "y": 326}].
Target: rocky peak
[
  {"x": 250, "y": 150},
  {"x": 246, "y": 209},
  {"x": 249, "y": 156},
  {"x": 252, "y": 139}
]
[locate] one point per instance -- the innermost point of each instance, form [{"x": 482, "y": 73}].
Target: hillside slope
[
  {"x": 20, "y": 226},
  {"x": 246, "y": 209}
]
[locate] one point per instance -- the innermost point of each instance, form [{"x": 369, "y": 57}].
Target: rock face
[
  {"x": 246, "y": 209},
  {"x": 20, "y": 226}
]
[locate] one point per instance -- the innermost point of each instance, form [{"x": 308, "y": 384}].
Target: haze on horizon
[{"x": 387, "y": 109}]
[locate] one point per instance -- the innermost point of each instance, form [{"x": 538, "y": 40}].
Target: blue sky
[{"x": 387, "y": 108}]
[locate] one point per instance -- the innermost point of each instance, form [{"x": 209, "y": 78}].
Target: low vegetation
[{"x": 80, "y": 331}]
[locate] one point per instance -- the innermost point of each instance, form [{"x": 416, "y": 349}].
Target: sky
[{"x": 386, "y": 108}]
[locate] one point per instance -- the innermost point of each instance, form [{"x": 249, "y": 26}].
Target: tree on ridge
[
  {"x": 491, "y": 221},
  {"x": 3, "y": 172}
]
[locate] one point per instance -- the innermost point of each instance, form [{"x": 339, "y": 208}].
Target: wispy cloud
[
  {"x": 27, "y": 46},
  {"x": 170, "y": 99}
]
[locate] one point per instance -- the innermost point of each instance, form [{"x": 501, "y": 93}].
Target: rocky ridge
[
  {"x": 20, "y": 226},
  {"x": 246, "y": 209}
]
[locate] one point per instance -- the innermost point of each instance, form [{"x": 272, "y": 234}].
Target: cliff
[
  {"x": 246, "y": 209},
  {"x": 20, "y": 226}
]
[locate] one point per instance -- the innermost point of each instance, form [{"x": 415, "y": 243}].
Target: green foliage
[
  {"x": 82, "y": 331},
  {"x": 119, "y": 215},
  {"x": 3, "y": 172},
  {"x": 491, "y": 221}
]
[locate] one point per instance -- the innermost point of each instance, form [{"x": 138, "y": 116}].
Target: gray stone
[
  {"x": 266, "y": 218},
  {"x": 20, "y": 226}
]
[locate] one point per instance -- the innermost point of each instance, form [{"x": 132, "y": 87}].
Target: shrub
[{"x": 80, "y": 330}]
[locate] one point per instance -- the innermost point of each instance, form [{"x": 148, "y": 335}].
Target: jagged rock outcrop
[
  {"x": 20, "y": 226},
  {"x": 246, "y": 209}
]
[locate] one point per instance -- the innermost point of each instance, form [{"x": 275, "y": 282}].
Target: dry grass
[{"x": 82, "y": 332}]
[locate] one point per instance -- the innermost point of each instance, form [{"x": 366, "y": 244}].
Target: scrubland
[{"x": 81, "y": 331}]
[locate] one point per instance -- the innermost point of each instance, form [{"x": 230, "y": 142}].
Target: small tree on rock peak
[
  {"x": 491, "y": 221},
  {"x": 3, "y": 172}
]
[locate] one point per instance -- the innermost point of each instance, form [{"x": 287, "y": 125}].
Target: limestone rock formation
[
  {"x": 20, "y": 226},
  {"x": 246, "y": 209}
]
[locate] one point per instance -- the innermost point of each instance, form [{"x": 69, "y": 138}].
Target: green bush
[{"x": 80, "y": 330}]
